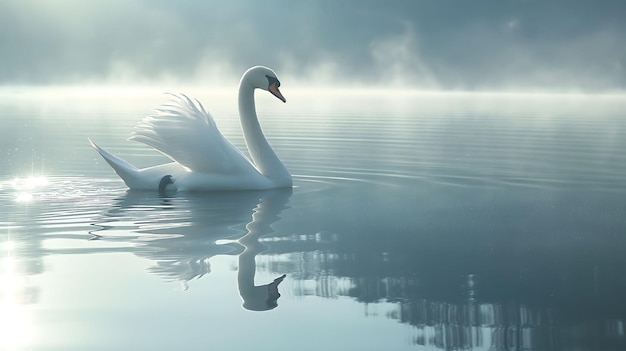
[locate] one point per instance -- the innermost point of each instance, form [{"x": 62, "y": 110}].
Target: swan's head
[{"x": 263, "y": 78}]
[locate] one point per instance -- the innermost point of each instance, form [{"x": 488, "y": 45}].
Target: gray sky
[{"x": 443, "y": 44}]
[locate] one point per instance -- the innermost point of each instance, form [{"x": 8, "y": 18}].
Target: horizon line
[{"x": 120, "y": 90}]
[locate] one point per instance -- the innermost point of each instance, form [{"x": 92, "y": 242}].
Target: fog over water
[{"x": 488, "y": 45}]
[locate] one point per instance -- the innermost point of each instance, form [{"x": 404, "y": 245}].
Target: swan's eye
[{"x": 273, "y": 80}]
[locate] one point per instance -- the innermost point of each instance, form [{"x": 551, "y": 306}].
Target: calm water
[{"x": 417, "y": 222}]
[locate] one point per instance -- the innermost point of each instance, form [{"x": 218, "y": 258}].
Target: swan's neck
[{"x": 263, "y": 156}]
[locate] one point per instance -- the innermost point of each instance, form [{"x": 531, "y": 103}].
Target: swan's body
[{"x": 203, "y": 160}]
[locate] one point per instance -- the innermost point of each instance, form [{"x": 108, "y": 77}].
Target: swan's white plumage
[
  {"x": 202, "y": 158},
  {"x": 182, "y": 127}
]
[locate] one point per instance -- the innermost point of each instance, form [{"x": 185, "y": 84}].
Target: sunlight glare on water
[
  {"x": 25, "y": 187},
  {"x": 16, "y": 328}
]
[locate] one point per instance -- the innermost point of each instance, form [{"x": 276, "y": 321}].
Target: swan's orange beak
[{"x": 274, "y": 90}]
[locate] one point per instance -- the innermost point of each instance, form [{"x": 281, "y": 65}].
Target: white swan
[{"x": 203, "y": 160}]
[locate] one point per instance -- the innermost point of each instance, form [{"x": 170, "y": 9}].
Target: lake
[{"x": 417, "y": 221}]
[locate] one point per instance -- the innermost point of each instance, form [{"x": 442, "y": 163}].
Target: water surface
[{"x": 417, "y": 221}]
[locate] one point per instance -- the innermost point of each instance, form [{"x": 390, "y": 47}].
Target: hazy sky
[{"x": 462, "y": 44}]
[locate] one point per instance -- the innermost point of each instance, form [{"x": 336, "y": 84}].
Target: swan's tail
[{"x": 126, "y": 171}]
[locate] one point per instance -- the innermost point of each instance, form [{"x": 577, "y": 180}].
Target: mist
[{"x": 435, "y": 45}]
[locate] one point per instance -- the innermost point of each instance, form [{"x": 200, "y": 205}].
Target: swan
[{"x": 202, "y": 158}]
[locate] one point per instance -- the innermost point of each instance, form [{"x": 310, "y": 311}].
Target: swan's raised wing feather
[{"x": 186, "y": 133}]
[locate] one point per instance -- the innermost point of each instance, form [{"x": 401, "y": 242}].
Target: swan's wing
[{"x": 186, "y": 133}]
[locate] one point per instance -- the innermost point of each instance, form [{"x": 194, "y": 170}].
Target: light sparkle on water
[{"x": 24, "y": 187}]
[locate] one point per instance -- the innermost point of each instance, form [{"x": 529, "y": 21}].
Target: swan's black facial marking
[
  {"x": 272, "y": 80},
  {"x": 272, "y": 87}
]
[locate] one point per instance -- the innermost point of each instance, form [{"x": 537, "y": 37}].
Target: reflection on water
[
  {"x": 506, "y": 307},
  {"x": 182, "y": 234},
  {"x": 455, "y": 292},
  {"x": 450, "y": 293},
  {"x": 16, "y": 328},
  {"x": 472, "y": 229}
]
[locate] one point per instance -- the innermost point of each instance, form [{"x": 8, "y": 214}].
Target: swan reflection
[
  {"x": 181, "y": 233},
  {"x": 264, "y": 297}
]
